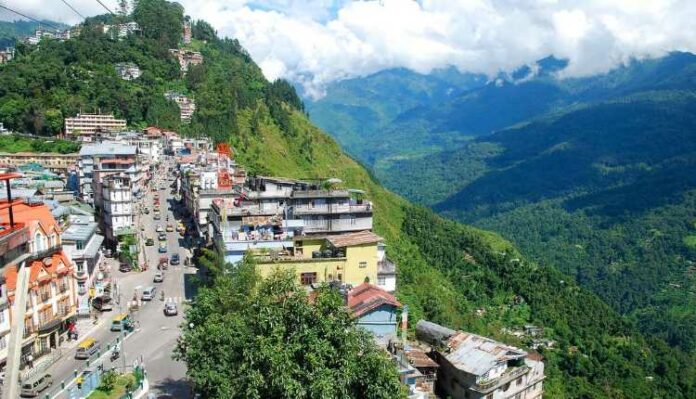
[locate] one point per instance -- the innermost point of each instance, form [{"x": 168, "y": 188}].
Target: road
[{"x": 154, "y": 339}]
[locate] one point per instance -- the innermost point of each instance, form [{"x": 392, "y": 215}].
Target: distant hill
[
  {"x": 10, "y": 31},
  {"x": 591, "y": 175}
]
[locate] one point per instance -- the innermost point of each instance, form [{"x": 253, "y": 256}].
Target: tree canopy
[{"x": 253, "y": 338}]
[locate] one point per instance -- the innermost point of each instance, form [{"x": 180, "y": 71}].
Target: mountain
[
  {"x": 10, "y": 31},
  {"x": 590, "y": 175},
  {"x": 448, "y": 272}
]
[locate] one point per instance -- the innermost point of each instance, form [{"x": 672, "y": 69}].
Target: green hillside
[
  {"x": 11, "y": 31},
  {"x": 448, "y": 272}
]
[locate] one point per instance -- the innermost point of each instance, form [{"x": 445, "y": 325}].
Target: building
[
  {"x": 86, "y": 126},
  {"x": 52, "y": 300},
  {"x": 187, "y": 58},
  {"x": 14, "y": 249},
  {"x": 55, "y": 162},
  {"x": 374, "y": 310},
  {"x": 6, "y": 55},
  {"x": 186, "y": 105},
  {"x": 98, "y": 160},
  {"x": 117, "y": 207},
  {"x": 39, "y": 34},
  {"x": 473, "y": 367},
  {"x": 121, "y": 31},
  {"x": 187, "y": 31},
  {"x": 81, "y": 244},
  {"x": 127, "y": 70},
  {"x": 349, "y": 258}
]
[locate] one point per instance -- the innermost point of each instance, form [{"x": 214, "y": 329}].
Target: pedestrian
[{"x": 30, "y": 360}]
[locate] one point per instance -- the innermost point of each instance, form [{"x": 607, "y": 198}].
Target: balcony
[
  {"x": 508, "y": 376},
  {"x": 45, "y": 253},
  {"x": 321, "y": 194},
  {"x": 331, "y": 209},
  {"x": 337, "y": 225}
]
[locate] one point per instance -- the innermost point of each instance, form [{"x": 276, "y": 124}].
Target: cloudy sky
[{"x": 315, "y": 42}]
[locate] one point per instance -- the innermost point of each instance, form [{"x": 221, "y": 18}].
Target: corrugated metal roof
[
  {"x": 107, "y": 148},
  {"x": 476, "y": 355},
  {"x": 79, "y": 231}
]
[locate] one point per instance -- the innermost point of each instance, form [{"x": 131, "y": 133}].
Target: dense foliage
[
  {"x": 15, "y": 143},
  {"x": 11, "y": 32},
  {"x": 271, "y": 341},
  {"x": 447, "y": 272}
]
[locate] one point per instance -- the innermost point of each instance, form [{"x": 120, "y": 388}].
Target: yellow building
[{"x": 350, "y": 258}]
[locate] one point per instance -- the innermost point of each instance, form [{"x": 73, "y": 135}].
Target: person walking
[{"x": 30, "y": 360}]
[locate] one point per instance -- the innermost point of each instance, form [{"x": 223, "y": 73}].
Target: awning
[
  {"x": 93, "y": 247},
  {"x": 49, "y": 327}
]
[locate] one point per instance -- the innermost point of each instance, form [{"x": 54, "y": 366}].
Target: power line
[
  {"x": 73, "y": 8},
  {"x": 28, "y": 17},
  {"x": 107, "y": 8}
]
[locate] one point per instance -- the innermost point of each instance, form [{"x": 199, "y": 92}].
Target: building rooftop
[
  {"x": 79, "y": 231},
  {"x": 350, "y": 239},
  {"x": 367, "y": 297},
  {"x": 107, "y": 148}
]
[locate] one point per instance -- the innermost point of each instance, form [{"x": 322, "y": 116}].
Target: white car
[
  {"x": 170, "y": 309},
  {"x": 159, "y": 229}
]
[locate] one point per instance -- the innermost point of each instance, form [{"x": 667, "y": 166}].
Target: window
[
  {"x": 2, "y": 316},
  {"x": 308, "y": 278},
  {"x": 381, "y": 280},
  {"x": 489, "y": 396},
  {"x": 3, "y": 342},
  {"x": 339, "y": 277},
  {"x": 362, "y": 265},
  {"x": 80, "y": 245},
  {"x": 519, "y": 381}
]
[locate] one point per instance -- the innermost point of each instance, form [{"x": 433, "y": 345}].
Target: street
[{"x": 155, "y": 334}]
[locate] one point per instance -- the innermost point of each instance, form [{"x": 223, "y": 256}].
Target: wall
[
  {"x": 361, "y": 253},
  {"x": 381, "y": 322},
  {"x": 326, "y": 269}
]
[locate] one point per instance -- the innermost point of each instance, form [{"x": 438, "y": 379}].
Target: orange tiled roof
[
  {"x": 32, "y": 215},
  {"x": 35, "y": 268},
  {"x": 366, "y": 297}
]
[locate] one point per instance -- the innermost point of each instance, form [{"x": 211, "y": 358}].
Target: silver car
[{"x": 170, "y": 309}]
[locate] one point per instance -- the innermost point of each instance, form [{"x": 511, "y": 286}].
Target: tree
[{"x": 253, "y": 338}]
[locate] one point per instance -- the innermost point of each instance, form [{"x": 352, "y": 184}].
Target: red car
[{"x": 163, "y": 263}]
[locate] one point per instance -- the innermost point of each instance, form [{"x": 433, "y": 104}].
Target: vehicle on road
[
  {"x": 159, "y": 229},
  {"x": 124, "y": 267},
  {"x": 170, "y": 227},
  {"x": 162, "y": 248},
  {"x": 174, "y": 260},
  {"x": 108, "y": 253},
  {"x": 162, "y": 237},
  {"x": 35, "y": 385},
  {"x": 170, "y": 309},
  {"x": 120, "y": 322},
  {"x": 163, "y": 262},
  {"x": 87, "y": 348},
  {"x": 102, "y": 303},
  {"x": 159, "y": 277},
  {"x": 147, "y": 210},
  {"x": 157, "y": 216},
  {"x": 149, "y": 242},
  {"x": 149, "y": 293}
]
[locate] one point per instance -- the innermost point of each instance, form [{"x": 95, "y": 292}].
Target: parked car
[
  {"x": 124, "y": 267},
  {"x": 162, "y": 248},
  {"x": 149, "y": 242},
  {"x": 159, "y": 277},
  {"x": 35, "y": 385},
  {"x": 157, "y": 216},
  {"x": 162, "y": 237},
  {"x": 147, "y": 211},
  {"x": 174, "y": 260},
  {"x": 170, "y": 227},
  {"x": 163, "y": 263},
  {"x": 170, "y": 309},
  {"x": 159, "y": 228},
  {"x": 108, "y": 253},
  {"x": 102, "y": 304}
]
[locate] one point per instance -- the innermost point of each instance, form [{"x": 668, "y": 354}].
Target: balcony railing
[
  {"x": 45, "y": 253},
  {"x": 506, "y": 377},
  {"x": 331, "y": 209}
]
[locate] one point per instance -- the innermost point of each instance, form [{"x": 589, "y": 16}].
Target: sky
[{"x": 316, "y": 42}]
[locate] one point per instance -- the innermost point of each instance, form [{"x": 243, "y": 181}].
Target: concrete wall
[{"x": 381, "y": 322}]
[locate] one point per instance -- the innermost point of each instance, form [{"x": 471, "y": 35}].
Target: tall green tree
[{"x": 253, "y": 338}]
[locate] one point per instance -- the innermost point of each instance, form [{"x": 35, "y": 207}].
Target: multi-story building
[
  {"x": 349, "y": 258},
  {"x": 186, "y": 105},
  {"x": 120, "y": 31},
  {"x": 117, "y": 207},
  {"x": 85, "y": 126},
  {"x": 476, "y": 367},
  {"x": 127, "y": 70},
  {"x": 98, "y": 160},
  {"x": 14, "y": 249},
  {"x": 54, "y": 162},
  {"x": 187, "y": 31},
  {"x": 187, "y": 58},
  {"x": 6, "y": 55},
  {"x": 51, "y": 304},
  {"x": 81, "y": 244}
]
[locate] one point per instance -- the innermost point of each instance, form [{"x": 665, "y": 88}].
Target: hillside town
[{"x": 100, "y": 252}]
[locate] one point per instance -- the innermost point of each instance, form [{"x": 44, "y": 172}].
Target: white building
[
  {"x": 81, "y": 244},
  {"x": 476, "y": 367},
  {"x": 101, "y": 159},
  {"x": 87, "y": 125},
  {"x": 117, "y": 208},
  {"x": 127, "y": 70}
]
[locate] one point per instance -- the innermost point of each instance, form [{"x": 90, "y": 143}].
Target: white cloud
[{"x": 315, "y": 42}]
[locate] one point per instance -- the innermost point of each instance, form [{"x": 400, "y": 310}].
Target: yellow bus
[
  {"x": 87, "y": 348},
  {"x": 119, "y": 322}
]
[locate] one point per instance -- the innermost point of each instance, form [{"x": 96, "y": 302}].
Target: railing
[
  {"x": 504, "y": 378},
  {"x": 338, "y": 225},
  {"x": 331, "y": 208},
  {"x": 45, "y": 296},
  {"x": 45, "y": 253}
]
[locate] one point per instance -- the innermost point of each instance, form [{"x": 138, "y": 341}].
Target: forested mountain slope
[{"x": 447, "y": 271}]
